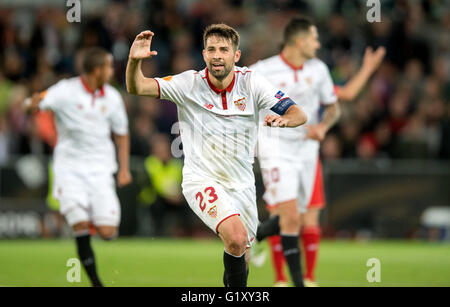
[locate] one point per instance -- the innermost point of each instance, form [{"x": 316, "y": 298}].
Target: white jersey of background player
[
  {"x": 310, "y": 86},
  {"x": 218, "y": 113},
  {"x": 88, "y": 113},
  {"x": 84, "y": 159}
]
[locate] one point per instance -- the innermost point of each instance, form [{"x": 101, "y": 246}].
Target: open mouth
[{"x": 218, "y": 66}]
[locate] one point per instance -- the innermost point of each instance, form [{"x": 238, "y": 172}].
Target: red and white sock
[
  {"x": 311, "y": 240},
  {"x": 277, "y": 257}
]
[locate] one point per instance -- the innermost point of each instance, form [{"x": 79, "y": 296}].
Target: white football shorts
[
  {"x": 288, "y": 181},
  {"x": 85, "y": 197},
  {"x": 213, "y": 204}
]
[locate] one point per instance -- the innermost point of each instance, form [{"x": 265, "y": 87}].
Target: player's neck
[
  {"x": 221, "y": 84},
  {"x": 292, "y": 57},
  {"x": 90, "y": 82}
]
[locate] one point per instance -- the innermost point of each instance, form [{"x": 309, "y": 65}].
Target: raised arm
[
  {"x": 137, "y": 84},
  {"x": 371, "y": 61}
]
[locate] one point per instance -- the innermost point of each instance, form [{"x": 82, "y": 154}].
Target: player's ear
[{"x": 237, "y": 56}]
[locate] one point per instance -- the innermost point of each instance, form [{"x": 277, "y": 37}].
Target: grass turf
[{"x": 197, "y": 263}]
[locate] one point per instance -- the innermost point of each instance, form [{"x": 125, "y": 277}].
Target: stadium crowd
[{"x": 404, "y": 111}]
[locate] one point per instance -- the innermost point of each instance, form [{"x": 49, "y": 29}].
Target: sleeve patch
[{"x": 279, "y": 95}]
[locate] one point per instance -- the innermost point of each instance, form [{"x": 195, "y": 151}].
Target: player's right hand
[{"x": 140, "y": 49}]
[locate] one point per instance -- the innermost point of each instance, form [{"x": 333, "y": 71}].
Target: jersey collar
[
  {"x": 289, "y": 64},
  {"x": 215, "y": 89},
  {"x": 90, "y": 91}
]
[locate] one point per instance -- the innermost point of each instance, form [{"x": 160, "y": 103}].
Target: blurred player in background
[
  {"x": 87, "y": 111},
  {"x": 292, "y": 175},
  {"x": 218, "y": 110}
]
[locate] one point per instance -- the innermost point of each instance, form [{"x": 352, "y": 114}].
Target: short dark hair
[
  {"x": 93, "y": 57},
  {"x": 224, "y": 31},
  {"x": 299, "y": 24}
]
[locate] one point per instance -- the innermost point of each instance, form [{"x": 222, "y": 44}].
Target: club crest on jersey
[
  {"x": 241, "y": 104},
  {"x": 213, "y": 212},
  {"x": 279, "y": 95}
]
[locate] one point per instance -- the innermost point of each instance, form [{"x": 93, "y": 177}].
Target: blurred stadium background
[{"x": 386, "y": 163}]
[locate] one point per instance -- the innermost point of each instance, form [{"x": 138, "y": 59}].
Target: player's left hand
[
  {"x": 316, "y": 132},
  {"x": 123, "y": 178},
  {"x": 275, "y": 121}
]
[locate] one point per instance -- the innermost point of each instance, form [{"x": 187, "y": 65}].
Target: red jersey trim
[
  {"x": 89, "y": 90},
  {"x": 159, "y": 89},
  {"x": 289, "y": 64},
  {"x": 215, "y": 89},
  {"x": 217, "y": 227}
]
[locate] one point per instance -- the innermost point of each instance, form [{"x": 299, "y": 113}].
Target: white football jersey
[
  {"x": 309, "y": 86},
  {"x": 84, "y": 121},
  {"x": 219, "y": 127}
]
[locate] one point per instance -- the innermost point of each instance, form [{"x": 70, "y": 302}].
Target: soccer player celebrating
[
  {"x": 292, "y": 175},
  {"x": 87, "y": 111},
  {"x": 218, "y": 110}
]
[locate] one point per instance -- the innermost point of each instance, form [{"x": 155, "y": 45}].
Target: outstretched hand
[
  {"x": 372, "y": 59},
  {"x": 140, "y": 49}
]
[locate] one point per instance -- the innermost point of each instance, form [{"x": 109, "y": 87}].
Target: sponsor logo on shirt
[
  {"x": 241, "y": 103},
  {"x": 279, "y": 95},
  {"x": 167, "y": 78},
  {"x": 208, "y": 106}
]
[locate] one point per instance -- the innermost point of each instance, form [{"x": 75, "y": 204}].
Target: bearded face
[{"x": 220, "y": 56}]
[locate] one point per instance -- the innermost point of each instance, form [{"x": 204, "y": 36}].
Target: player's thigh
[
  {"x": 311, "y": 217},
  {"x": 280, "y": 183},
  {"x": 104, "y": 202},
  {"x": 289, "y": 216}
]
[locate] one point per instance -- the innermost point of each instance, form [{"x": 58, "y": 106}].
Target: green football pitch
[{"x": 197, "y": 263}]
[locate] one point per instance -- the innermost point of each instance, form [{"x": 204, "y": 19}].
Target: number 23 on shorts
[{"x": 209, "y": 192}]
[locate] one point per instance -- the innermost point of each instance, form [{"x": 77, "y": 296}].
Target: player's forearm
[
  {"x": 137, "y": 83},
  {"x": 295, "y": 116},
  {"x": 331, "y": 115},
  {"x": 352, "y": 88},
  {"x": 32, "y": 103},
  {"x": 123, "y": 150},
  {"x": 134, "y": 76}
]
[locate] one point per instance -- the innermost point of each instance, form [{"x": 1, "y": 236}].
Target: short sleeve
[
  {"x": 53, "y": 96},
  {"x": 119, "y": 119},
  {"x": 266, "y": 96},
  {"x": 326, "y": 87},
  {"x": 174, "y": 88}
]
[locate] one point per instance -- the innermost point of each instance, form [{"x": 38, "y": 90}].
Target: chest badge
[{"x": 241, "y": 103}]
